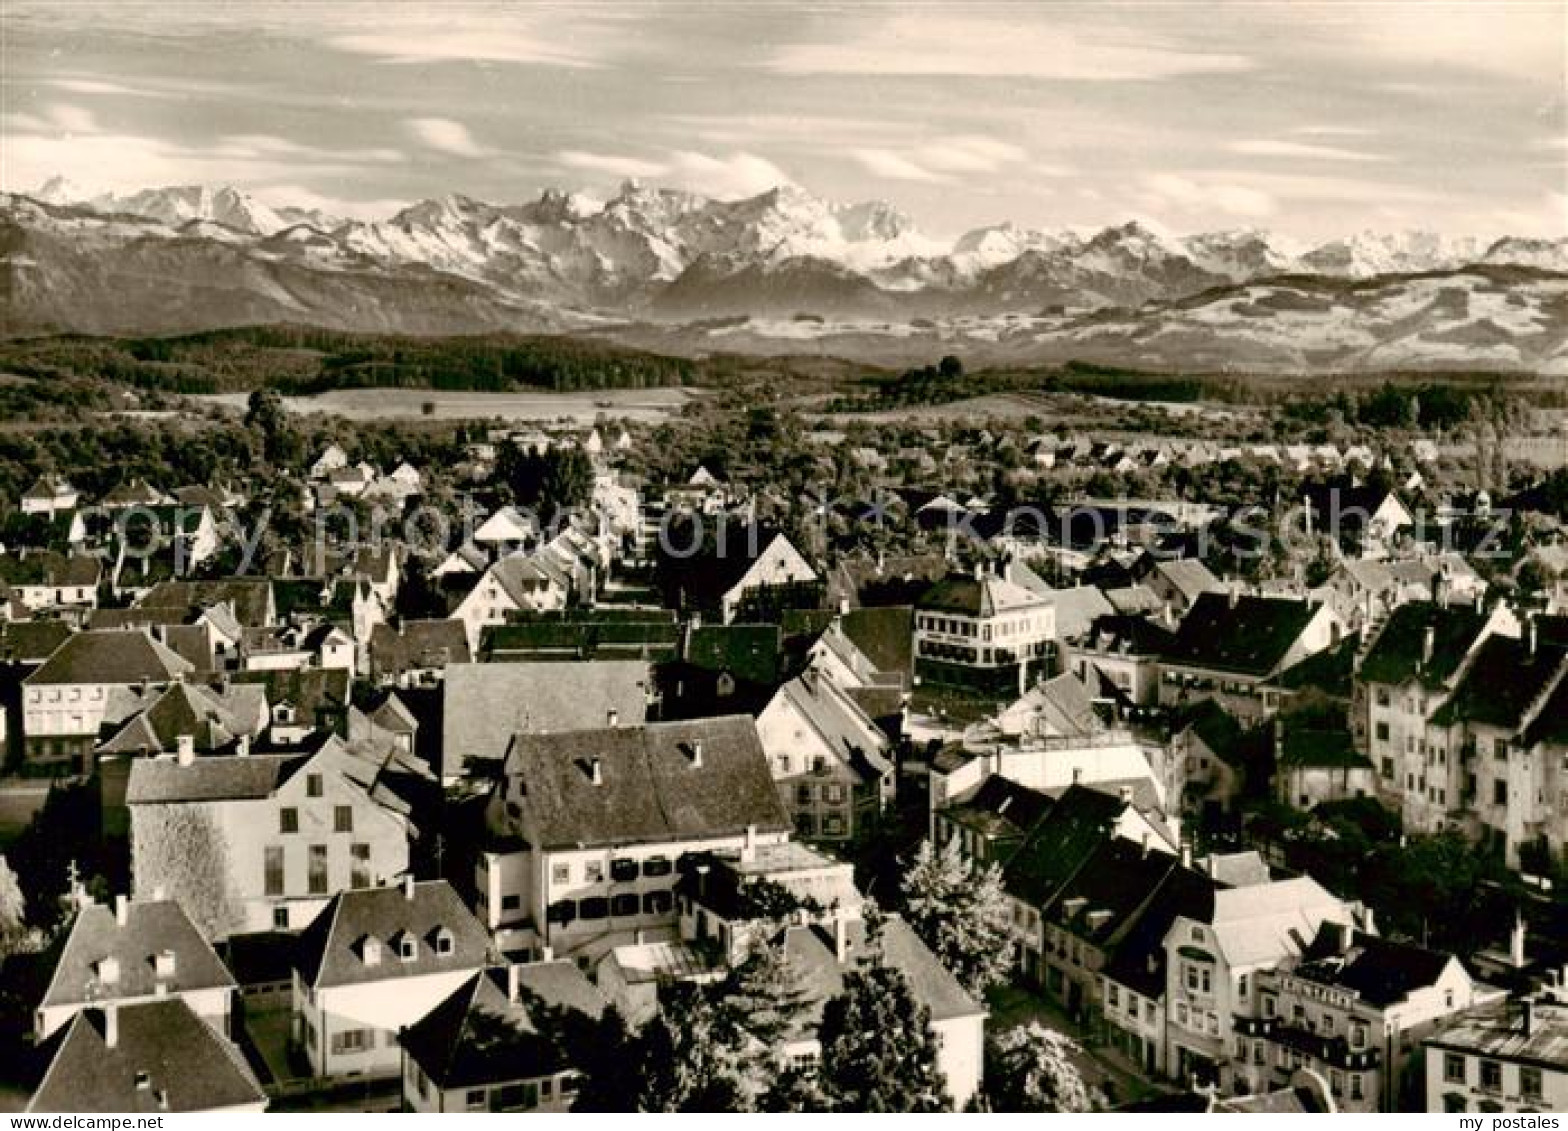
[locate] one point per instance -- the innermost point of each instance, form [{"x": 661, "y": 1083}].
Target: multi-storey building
[
  {"x": 1504, "y": 1056},
  {"x": 983, "y": 633}
]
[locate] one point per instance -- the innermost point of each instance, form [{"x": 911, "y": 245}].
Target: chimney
[
  {"x": 613, "y": 718},
  {"x": 1428, "y": 644},
  {"x": 1529, "y": 636},
  {"x": 408, "y": 885},
  {"x": 1186, "y": 855},
  {"x": 1125, "y": 793},
  {"x": 122, "y": 910},
  {"x": 185, "y": 745},
  {"x": 595, "y": 771},
  {"x": 1235, "y": 593},
  {"x": 1077, "y": 775},
  {"x": 696, "y": 753},
  {"x": 1516, "y": 939},
  {"x": 512, "y": 981},
  {"x": 242, "y": 746},
  {"x": 111, "y": 1025},
  {"x": 748, "y": 851},
  {"x": 1527, "y": 1016},
  {"x": 840, "y": 936}
]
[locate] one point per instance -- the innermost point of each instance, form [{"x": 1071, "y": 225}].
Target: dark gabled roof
[
  {"x": 1103, "y": 899},
  {"x": 652, "y": 787},
  {"x": 249, "y": 597},
  {"x": 479, "y": 1036},
  {"x": 30, "y": 641},
  {"x": 1139, "y": 962},
  {"x": 1331, "y": 671},
  {"x": 1501, "y": 683},
  {"x": 1136, "y": 635},
  {"x": 150, "y": 929},
  {"x": 1551, "y": 722},
  {"x": 1320, "y": 748},
  {"x": 1218, "y": 729},
  {"x": 332, "y": 948},
  {"x": 310, "y": 690},
  {"x": 1002, "y": 807},
  {"x": 1075, "y": 826},
  {"x": 416, "y": 644},
  {"x": 1341, "y": 503},
  {"x": 580, "y": 639},
  {"x": 110, "y": 657},
  {"x": 885, "y": 635},
  {"x": 164, "y": 1058},
  {"x": 1396, "y": 656},
  {"x": 1247, "y": 635},
  {"x": 725, "y": 551},
  {"x": 977, "y": 596},
  {"x": 1382, "y": 972},
  {"x": 749, "y": 652},
  {"x": 49, "y": 568}
]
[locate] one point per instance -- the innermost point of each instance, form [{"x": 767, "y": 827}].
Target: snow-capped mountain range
[{"x": 192, "y": 257}]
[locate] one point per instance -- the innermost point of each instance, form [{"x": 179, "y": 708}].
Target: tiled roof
[
  {"x": 220, "y": 778},
  {"x": 163, "y": 1058},
  {"x": 332, "y": 949},
  {"x": 1250, "y": 635},
  {"x": 659, "y": 782},
  {"x": 1502, "y": 682},
  {"x": 110, "y": 657},
  {"x": 746, "y": 651},
  {"x": 1380, "y": 971},
  {"x": 1139, "y": 962},
  {"x": 1076, "y": 825},
  {"x": 885, "y": 635},
  {"x": 151, "y": 928},
  {"x": 1497, "y": 1030},
  {"x": 30, "y": 641},
  {"x": 978, "y": 596},
  {"x": 417, "y": 644},
  {"x": 842, "y": 726},
  {"x": 812, "y": 950},
  {"x": 480, "y": 1036},
  {"x": 1002, "y": 807},
  {"x": 1396, "y": 656},
  {"x": 487, "y": 704},
  {"x": 250, "y": 598}
]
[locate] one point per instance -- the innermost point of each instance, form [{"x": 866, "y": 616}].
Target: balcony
[{"x": 1334, "y": 1051}]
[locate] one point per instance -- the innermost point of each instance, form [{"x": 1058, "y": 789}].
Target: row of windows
[
  {"x": 275, "y": 869},
  {"x": 342, "y": 818},
  {"x": 1456, "y": 1070},
  {"x": 808, "y": 824},
  {"x": 61, "y": 695},
  {"x": 623, "y": 870},
  {"x": 601, "y": 907}
]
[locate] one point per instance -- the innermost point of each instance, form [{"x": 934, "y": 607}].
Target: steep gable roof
[
  {"x": 163, "y": 1058},
  {"x": 479, "y": 1035},
  {"x": 659, "y": 782},
  {"x": 1397, "y": 656},
  {"x": 1248, "y": 635},
  {"x": 110, "y": 656},
  {"x": 331, "y": 949},
  {"x": 150, "y": 929},
  {"x": 415, "y": 644}
]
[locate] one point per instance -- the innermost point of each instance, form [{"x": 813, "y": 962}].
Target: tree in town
[
  {"x": 763, "y": 1005},
  {"x": 683, "y": 1064},
  {"x": 266, "y": 416},
  {"x": 604, "y": 1052},
  {"x": 959, "y": 910},
  {"x": 879, "y": 1052},
  {"x": 13, "y": 905},
  {"x": 1030, "y": 1068}
]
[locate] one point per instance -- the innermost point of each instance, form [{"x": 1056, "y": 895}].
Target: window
[
  {"x": 1491, "y": 1076},
  {"x": 475, "y": 1099},
  {"x": 288, "y": 820},
  {"x": 593, "y": 872},
  {"x": 1453, "y": 1068},
  {"x": 272, "y": 869},
  {"x": 443, "y": 941},
  {"x": 359, "y": 865},
  {"x": 407, "y": 947},
  {"x": 351, "y": 1040},
  {"x": 317, "y": 876},
  {"x": 1382, "y": 732},
  {"x": 280, "y": 918},
  {"x": 1530, "y": 1082},
  {"x": 511, "y": 902},
  {"x": 1499, "y": 793},
  {"x": 312, "y": 785},
  {"x": 1500, "y": 749},
  {"x": 624, "y": 870},
  {"x": 1355, "y": 1086},
  {"x": 342, "y": 819},
  {"x": 560, "y": 873}
]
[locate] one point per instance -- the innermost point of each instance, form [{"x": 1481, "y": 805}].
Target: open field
[{"x": 646, "y": 405}]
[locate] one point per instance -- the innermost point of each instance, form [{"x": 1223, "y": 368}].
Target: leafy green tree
[
  {"x": 684, "y": 1065},
  {"x": 13, "y": 905},
  {"x": 1030, "y": 1068},
  {"x": 879, "y": 1052},
  {"x": 763, "y": 1005},
  {"x": 265, "y": 415},
  {"x": 959, "y": 910}
]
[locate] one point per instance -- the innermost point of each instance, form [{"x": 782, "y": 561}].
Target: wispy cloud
[
  {"x": 441, "y": 38},
  {"x": 944, "y": 42},
  {"x": 1167, "y": 193},
  {"x": 1266, "y": 147},
  {"x": 894, "y": 167},
  {"x": 942, "y": 160},
  {"x": 609, "y": 164},
  {"x": 446, "y": 136}
]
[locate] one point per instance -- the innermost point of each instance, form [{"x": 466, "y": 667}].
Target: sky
[{"x": 1310, "y": 119}]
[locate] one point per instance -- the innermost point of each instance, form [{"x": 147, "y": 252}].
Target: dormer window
[
  {"x": 108, "y": 971},
  {"x": 163, "y": 963},
  {"x": 444, "y": 941},
  {"x": 370, "y": 951},
  {"x": 407, "y": 948}
]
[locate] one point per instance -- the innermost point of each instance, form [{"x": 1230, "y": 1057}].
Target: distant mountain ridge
[{"x": 192, "y": 257}]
